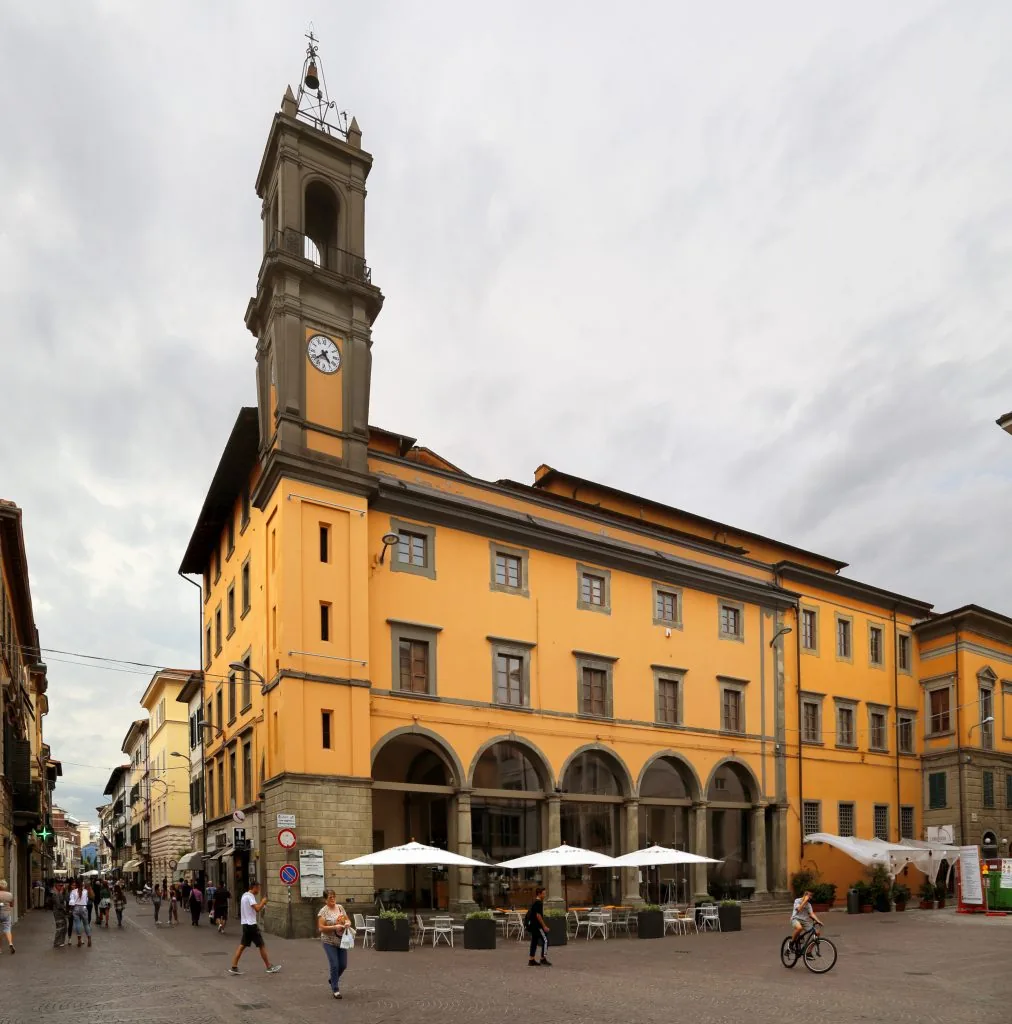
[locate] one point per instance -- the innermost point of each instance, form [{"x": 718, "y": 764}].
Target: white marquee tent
[{"x": 894, "y": 857}]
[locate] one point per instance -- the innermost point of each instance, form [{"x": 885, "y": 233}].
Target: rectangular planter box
[
  {"x": 650, "y": 924},
  {"x": 557, "y": 935},
  {"x": 730, "y": 918},
  {"x": 479, "y": 934},
  {"x": 393, "y": 936}
]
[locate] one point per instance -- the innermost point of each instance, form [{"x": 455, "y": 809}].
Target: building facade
[
  {"x": 191, "y": 697},
  {"x": 120, "y": 817},
  {"x": 137, "y": 865},
  {"x": 396, "y": 649}
]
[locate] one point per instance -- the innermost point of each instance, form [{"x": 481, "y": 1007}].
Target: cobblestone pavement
[{"x": 919, "y": 967}]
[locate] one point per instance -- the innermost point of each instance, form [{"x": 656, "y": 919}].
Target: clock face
[{"x": 323, "y": 354}]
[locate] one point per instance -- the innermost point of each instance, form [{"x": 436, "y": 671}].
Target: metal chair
[
  {"x": 515, "y": 920},
  {"x": 582, "y": 921},
  {"x": 620, "y": 922},
  {"x": 442, "y": 928},
  {"x": 709, "y": 917},
  {"x": 367, "y": 926},
  {"x": 671, "y": 920},
  {"x": 687, "y": 917},
  {"x": 420, "y": 929},
  {"x": 597, "y": 922}
]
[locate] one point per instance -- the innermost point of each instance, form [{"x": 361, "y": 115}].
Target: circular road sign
[
  {"x": 286, "y": 838},
  {"x": 289, "y": 874},
  {"x": 238, "y": 816}
]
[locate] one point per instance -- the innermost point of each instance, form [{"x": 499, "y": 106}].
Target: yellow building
[
  {"x": 137, "y": 867},
  {"x": 168, "y": 799},
  {"x": 495, "y": 667}
]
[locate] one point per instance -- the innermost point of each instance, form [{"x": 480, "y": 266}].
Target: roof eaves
[{"x": 852, "y": 588}]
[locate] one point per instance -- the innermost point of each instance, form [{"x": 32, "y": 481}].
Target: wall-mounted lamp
[
  {"x": 782, "y": 631},
  {"x": 389, "y": 540}
]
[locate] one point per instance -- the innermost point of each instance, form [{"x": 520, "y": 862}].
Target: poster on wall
[
  {"x": 311, "y": 873},
  {"x": 1006, "y": 873},
  {"x": 971, "y": 885}
]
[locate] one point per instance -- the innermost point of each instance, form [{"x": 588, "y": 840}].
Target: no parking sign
[{"x": 289, "y": 874}]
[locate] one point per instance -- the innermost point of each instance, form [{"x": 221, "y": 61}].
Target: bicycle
[
  {"x": 818, "y": 953},
  {"x": 142, "y": 895}
]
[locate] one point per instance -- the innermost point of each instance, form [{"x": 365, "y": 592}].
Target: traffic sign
[
  {"x": 289, "y": 874},
  {"x": 286, "y": 838},
  {"x": 238, "y": 816},
  {"x": 286, "y": 821}
]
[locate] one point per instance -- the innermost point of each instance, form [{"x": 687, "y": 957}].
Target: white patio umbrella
[
  {"x": 563, "y": 856},
  {"x": 657, "y": 856}
]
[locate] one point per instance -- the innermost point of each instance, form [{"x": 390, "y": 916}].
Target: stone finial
[
  {"x": 288, "y": 105},
  {"x": 354, "y": 134}
]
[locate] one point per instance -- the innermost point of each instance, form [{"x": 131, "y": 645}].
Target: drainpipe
[
  {"x": 801, "y": 725},
  {"x": 896, "y": 712},
  {"x": 959, "y": 751},
  {"x": 200, "y": 669}
]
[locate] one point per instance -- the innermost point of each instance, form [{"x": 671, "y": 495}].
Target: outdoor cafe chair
[
  {"x": 515, "y": 921},
  {"x": 709, "y": 917},
  {"x": 620, "y": 922},
  {"x": 582, "y": 921},
  {"x": 597, "y": 922},
  {"x": 420, "y": 929},
  {"x": 671, "y": 920},
  {"x": 686, "y": 918},
  {"x": 368, "y": 930},
  {"x": 442, "y": 928}
]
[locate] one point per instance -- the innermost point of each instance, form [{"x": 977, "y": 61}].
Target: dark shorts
[
  {"x": 221, "y": 914},
  {"x": 251, "y": 936}
]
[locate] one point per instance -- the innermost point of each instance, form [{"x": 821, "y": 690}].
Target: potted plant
[
  {"x": 940, "y": 897},
  {"x": 729, "y": 912},
  {"x": 879, "y": 887},
  {"x": 864, "y": 896},
  {"x": 556, "y": 921},
  {"x": 650, "y": 922},
  {"x": 392, "y": 932},
  {"x": 901, "y": 894},
  {"x": 802, "y": 881},
  {"x": 479, "y": 930},
  {"x": 927, "y": 895},
  {"x": 823, "y": 896}
]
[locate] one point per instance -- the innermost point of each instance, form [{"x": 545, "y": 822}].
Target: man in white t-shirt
[{"x": 248, "y": 910}]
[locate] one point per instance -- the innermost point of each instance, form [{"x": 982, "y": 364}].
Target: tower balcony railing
[{"x": 328, "y": 257}]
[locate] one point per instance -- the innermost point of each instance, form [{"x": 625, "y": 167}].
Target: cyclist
[{"x": 802, "y": 916}]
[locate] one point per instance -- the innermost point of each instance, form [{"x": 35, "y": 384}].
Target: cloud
[{"x": 753, "y": 261}]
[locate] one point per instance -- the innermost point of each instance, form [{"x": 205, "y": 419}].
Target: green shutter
[{"x": 936, "y": 789}]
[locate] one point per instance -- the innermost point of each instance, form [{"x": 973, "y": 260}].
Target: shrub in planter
[
  {"x": 479, "y": 930},
  {"x": 393, "y": 934},
  {"x": 650, "y": 922},
  {"x": 926, "y": 894},
  {"x": 901, "y": 896},
  {"x": 823, "y": 896},
  {"x": 729, "y": 912},
  {"x": 940, "y": 896},
  {"x": 802, "y": 881},
  {"x": 556, "y": 921}
]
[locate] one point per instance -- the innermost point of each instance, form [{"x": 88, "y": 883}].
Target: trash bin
[{"x": 853, "y": 902}]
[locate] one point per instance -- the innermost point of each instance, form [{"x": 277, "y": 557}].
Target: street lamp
[
  {"x": 238, "y": 666},
  {"x": 782, "y": 631},
  {"x": 977, "y": 725}
]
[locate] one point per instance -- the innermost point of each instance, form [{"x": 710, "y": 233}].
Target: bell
[{"x": 312, "y": 78}]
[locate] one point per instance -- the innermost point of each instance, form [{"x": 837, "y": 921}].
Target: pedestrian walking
[
  {"x": 104, "y": 903},
  {"x": 173, "y": 905},
  {"x": 186, "y": 893},
  {"x": 6, "y": 902},
  {"x": 335, "y": 929},
  {"x": 79, "y": 910},
  {"x": 60, "y": 915},
  {"x": 118, "y": 903},
  {"x": 248, "y": 910},
  {"x": 221, "y": 898},
  {"x": 535, "y": 922},
  {"x": 196, "y": 905},
  {"x": 156, "y": 902},
  {"x": 209, "y": 892}
]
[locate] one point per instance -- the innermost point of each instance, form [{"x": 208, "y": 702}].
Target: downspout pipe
[
  {"x": 896, "y": 738},
  {"x": 801, "y": 727},
  {"x": 200, "y": 667},
  {"x": 959, "y": 751}
]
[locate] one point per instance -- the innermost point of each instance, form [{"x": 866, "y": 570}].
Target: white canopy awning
[
  {"x": 413, "y": 853},
  {"x": 131, "y": 866},
  {"x": 190, "y": 861},
  {"x": 563, "y": 856},
  {"x": 894, "y": 857},
  {"x": 656, "y": 856}
]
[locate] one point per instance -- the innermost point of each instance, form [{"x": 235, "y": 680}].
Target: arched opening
[
  {"x": 989, "y": 845},
  {"x": 594, "y": 786},
  {"x": 666, "y": 793},
  {"x": 413, "y": 784},
  {"x": 320, "y": 224},
  {"x": 732, "y": 796},
  {"x": 507, "y": 820}
]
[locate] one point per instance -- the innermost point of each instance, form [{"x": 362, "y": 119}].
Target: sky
[{"x": 753, "y": 260}]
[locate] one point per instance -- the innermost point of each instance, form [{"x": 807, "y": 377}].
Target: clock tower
[{"x": 315, "y": 302}]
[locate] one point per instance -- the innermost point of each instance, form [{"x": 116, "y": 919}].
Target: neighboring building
[
  {"x": 120, "y": 816},
  {"x": 137, "y": 867},
  {"x": 494, "y": 667},
  {"x": 168, "y": 778},
  {"x": 1005, "y": 422},
  {"x": 105, "y": 837},
  {"x": 67, "y": 834},
  {"x": 27, "y": 772},
  {"x": 192, "y": 696}
]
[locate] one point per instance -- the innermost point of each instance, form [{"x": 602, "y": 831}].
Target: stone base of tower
[{"x": 332, "y": 814}]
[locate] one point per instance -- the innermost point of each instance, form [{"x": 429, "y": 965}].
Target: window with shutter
[{"x": 936, "y": 790}]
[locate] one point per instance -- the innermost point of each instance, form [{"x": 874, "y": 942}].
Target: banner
[
  {"x": 311, "y": 873},
  {"x": 1006, "y": 873},
  {"x": 970, "y": 882}
]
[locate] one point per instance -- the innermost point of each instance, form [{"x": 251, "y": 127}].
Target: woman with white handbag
[{"x": 337, "y": 936}]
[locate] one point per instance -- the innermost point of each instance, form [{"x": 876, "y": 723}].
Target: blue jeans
[
  {"x": 338, "y": 960},
  {"x": 81, "y": 922}
]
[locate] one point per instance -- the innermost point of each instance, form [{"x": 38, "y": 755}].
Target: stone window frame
[
  {"x": 810, "y": 697},
  {"x": 217, "y": 629},
  {"x": 494, "y": 549},
  {"x": 427, "y": 571},
  {"x": 874, "y": 821},
  {"x": 244, "y": 512},
  {"x": 420, "y": 631},
  {"x": 985, "y": 775},
  {"x": 904, "y": 832},
  {"x": 880, "y": 626},
  {"x": 517, "y": 649},
  {"x": 841, "y": 804},
  {"x": 928, "y": 776},
  {"x": 230, "y": 619},
  {"x": 849, "y": 619},
  {"x": 933, "y": 685},
  {"x": 987, "y": 682},
  {"x": 230, "y": 534},
  {"x": 738, "y": 606},
  {"x": 587, "y": 659},
  {"x": 879, "y": 709},
  {"x": 739, "y": 686},
  {"x": 667, "y": 673},
  {"x": 246, "y": 577},
  {"x": 664, "y": 588},
  {"x": 208, "y": 649},
  {"x": 806, "y": 805},
  {"x": 814, "y": 650},
  {"x": 839, "y": 704},
  {"x": 593, "y": 570},
  {"x": 901, "y": 714},
  {"x": 909, "y": 670}
]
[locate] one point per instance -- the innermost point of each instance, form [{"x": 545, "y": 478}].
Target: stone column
[
  {"x": 553, "y": 876},
  {"x": 759, "y": 849},
  {"x": 463, "y": 898},
  {"x": 701, "y": 846},
  {"x": 780, "y": 842},
  {"x": 631, "y": 836}
]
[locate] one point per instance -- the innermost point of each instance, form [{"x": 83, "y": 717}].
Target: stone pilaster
[
  {"x": 759, "y": 849},
  {"x": 553, "y": 876},
  {"x": 464, "y": 900},
  {"x": 631, "y": 835},
  {"x": 700, "y": 846}
]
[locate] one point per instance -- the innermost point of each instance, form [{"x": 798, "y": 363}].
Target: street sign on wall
[
  {"x": 286, "y": 821},
  {"x": 311, "y": 867},
  {"x": 286, "y": 838},
  {"x": 289, "y": 874}
]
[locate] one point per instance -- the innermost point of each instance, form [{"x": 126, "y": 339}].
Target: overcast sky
[{"x": 754, "y": 260}]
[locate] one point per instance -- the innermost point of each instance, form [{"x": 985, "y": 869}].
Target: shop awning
[
  {"x": 132, "y": 865},
  {"x": 894, "y": 857},
  {"x": 190, "y": 862},
  {"x": 226, "y": 853}
]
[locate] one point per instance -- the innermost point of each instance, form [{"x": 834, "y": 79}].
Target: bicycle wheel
[
  {"x": 788, "y": 954},
  {"x": 820, "y": 955}
]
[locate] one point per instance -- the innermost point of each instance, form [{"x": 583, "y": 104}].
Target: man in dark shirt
[{"x": 539, "y": 930}]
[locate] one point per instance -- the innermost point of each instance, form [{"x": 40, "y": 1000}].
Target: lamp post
[{"x": 239, "y": 666}]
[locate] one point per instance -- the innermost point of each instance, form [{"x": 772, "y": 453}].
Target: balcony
[
  {"x": 327, "y": 257},
  {"x": 25, "y": 799}
]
